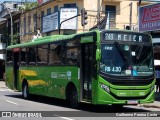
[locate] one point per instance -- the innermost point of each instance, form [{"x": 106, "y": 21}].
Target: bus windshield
[{"x": 126, "y": 60}]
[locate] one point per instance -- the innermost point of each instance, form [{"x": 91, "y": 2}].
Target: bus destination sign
[{"x": 126, "y": 37}]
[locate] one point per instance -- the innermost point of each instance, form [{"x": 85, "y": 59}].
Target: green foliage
[
  {"x": 15, "y": 39},
  {"x": 28, "y": 6}
]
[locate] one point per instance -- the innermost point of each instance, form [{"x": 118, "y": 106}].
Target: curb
[
  {"x": 151, "y": 106},
  {"x": 3, "y": 86}
]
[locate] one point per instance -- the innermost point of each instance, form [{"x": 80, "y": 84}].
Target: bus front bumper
[{"x": 107, "y": 98}]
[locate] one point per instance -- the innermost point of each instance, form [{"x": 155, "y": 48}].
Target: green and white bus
[{"x": 97, "y": 67}]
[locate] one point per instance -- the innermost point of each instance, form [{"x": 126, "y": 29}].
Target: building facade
[
  {"x": 5, "y": 28},
  {"x": 48, "y": 15},
  {"x": 149, "y": 22}
]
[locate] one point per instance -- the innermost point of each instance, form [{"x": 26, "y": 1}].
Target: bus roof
[
  {"x": 46, "y": 39},
  {"x": 53, "y": 38}
]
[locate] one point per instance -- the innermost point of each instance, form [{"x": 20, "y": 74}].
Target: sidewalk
[
  {"x": 156, "y": 103},
  {"x": 2, "y": 84}
]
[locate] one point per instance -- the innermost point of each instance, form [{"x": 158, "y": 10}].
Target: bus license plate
[{"x": 132, "y": 102}]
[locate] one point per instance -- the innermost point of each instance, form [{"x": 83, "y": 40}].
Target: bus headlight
[{"x": 105, "y": 87}]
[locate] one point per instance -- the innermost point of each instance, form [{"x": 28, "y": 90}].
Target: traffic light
[{"x": 84, "y": 17}]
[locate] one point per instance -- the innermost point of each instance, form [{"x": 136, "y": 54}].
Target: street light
[
  {"x": 98, "y": 13},
  {"x": 11, "y": 21}
]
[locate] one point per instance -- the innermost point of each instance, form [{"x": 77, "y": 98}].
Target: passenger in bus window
[{"x": 72, "y": 55}]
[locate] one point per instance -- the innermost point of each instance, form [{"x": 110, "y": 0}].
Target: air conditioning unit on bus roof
[{"x": 134, "y": 27}]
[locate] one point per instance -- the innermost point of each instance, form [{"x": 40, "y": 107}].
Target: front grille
[
  {"x": 128, "y": 80},
  {"x": 130, "y": 98},
  {"x": 131, "y": 82}
]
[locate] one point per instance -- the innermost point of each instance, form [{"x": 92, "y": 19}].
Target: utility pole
[
  {"x": 139, "y": 3},
  {"x": 98, "y": 13},
  {"x": 107, "y": 21},
  {"x": 130, "y": 21}
]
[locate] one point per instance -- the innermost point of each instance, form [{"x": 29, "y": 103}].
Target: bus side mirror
[{"x": 98, "y": 54}]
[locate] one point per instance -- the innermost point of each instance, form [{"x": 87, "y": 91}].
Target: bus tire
[
  {"x": 73, "y": 99},
  {"x": 25, "y": 91}
]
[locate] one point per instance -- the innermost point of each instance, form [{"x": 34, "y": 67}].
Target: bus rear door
[
  {"x": 15, "y": 66},
  {"x": 85, "y": 66}
]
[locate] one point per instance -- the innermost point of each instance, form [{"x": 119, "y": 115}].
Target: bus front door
[
  {"x": 15, "y": 69},
  {"x": 86, "y": 78}
]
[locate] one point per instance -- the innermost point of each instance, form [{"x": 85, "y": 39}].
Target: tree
[
  {"x": 28, "y": 6},
  {"x": 15, "y": 39}
]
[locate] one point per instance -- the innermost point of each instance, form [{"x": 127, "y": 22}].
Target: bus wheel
[
  {"x": 74, "y": 98},
  {"x": 25, "y": 91}
]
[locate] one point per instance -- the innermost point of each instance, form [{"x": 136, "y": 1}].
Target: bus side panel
[
  {"x": 9, "y": 77},
  {"x": 59, "y": 77},
  {"x": 49, "y": 80},
  {"x": 35, "y": 84}
]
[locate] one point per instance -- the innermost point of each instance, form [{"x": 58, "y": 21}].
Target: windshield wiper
[
  {"x": 120, "y": 50},
  {"x": 140, "y": 48}
]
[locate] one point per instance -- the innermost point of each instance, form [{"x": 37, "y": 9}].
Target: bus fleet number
[{"x": 112, "y": 69}]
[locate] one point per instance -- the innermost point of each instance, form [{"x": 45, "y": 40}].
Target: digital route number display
[{"x": 125, "y": 37}]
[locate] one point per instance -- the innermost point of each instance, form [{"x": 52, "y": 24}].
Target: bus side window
[
  {"x": 71, "y": 53},
  {"x": 54, "y": 54},
  {"x": 32, "y": 56},
  {"x": 9, "y": 58},
  {"x": 42, "y": 54},
  {"x": 23, "y": 56}
]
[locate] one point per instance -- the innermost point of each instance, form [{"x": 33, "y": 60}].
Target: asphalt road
[{"x": 60, "y": 109}]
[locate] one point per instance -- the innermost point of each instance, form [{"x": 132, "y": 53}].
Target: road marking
[
  {"x": 2, "y": 90},
  {"x": 11, "y": 102},
  {"x": 63, "y": 117}
]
